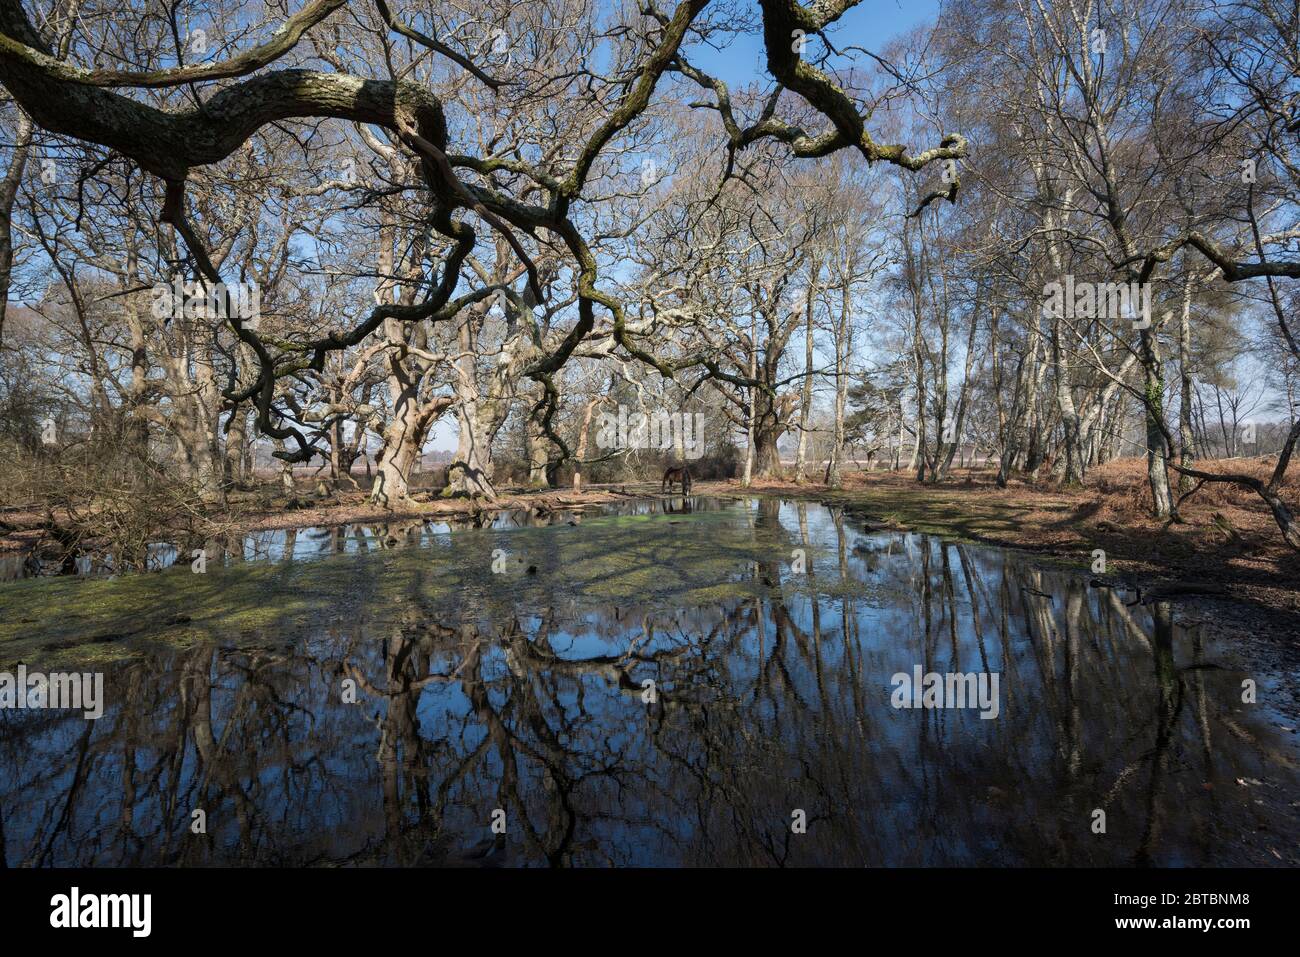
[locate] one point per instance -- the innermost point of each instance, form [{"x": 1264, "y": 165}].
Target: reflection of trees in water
[{"x": 766, "y": 704}]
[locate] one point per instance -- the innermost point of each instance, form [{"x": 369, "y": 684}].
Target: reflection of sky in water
[{"x": 524, "y": 692}]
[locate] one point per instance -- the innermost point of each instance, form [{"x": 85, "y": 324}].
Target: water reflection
[{"x": 774, "y": 698}]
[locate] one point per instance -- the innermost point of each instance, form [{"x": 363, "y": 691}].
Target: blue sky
[{"x": 871, "y": 24}]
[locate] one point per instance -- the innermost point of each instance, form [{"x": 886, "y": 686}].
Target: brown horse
[{"x": 677, "y": 474}]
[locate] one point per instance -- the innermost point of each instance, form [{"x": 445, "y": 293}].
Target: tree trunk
[
  {"x": 767, "y": 433},
  {"x": 748, "y": 478},
  {"x": 805, "y": 400},
  {"x": 403, "y": 440},
  {"x": 8, "y": 193},
  {"x": 1073, "y": 471},
  {"x": 582, "y": 441},
  {"x": 1186, "y": 440},
  {"x": 471, "y": 472},
  {"x": 537, "y": 446},
  {"x": 194, "y": 425},
  {"x": 236, "y": 446},
  {"x": 1157, "y": 471}
]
